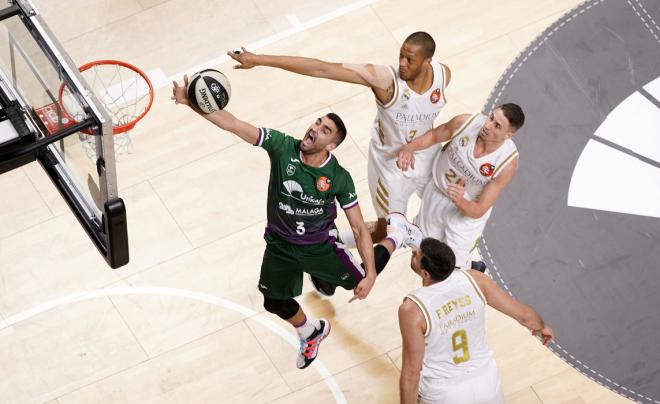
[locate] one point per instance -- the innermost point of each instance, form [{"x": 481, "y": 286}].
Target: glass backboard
[{"x": 48, "y": 108}]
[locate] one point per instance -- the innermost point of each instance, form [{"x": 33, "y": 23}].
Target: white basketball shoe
[{"x": 404, "y": 233}]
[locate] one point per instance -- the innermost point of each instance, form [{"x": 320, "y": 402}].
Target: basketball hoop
[{"x": 126, "y": 93}]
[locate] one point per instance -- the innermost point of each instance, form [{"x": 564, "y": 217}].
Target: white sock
[
  {"x": 397, "y": 236},
  {"x": 308, "y": 327},
  {"x": 347, "y": 238}
]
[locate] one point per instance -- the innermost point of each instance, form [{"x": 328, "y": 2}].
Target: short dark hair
[
  {"x": 438, "y": 259},
  {"x": 341, "y": 128},
  {"x": 424, "y": 40},
  {"x": 514, "y": 114}
]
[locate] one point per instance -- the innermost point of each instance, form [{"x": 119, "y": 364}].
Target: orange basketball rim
[{"x": 124, "y": 90}]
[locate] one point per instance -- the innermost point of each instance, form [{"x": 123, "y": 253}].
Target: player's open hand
[
  {"x": 456, "y": 192},
  {"x": 180, "y": 92},
  {"x": 245, "y": 59},
  {"x": 405, "y": 159},
  {"x": 546, "y": 334},
  {"x": 363, "y": 288}
]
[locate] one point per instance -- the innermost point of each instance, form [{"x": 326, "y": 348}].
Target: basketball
[{"x": 209, "y": 91}]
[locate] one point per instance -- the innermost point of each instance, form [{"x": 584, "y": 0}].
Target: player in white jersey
[
  {"x": 408, "y": 99},
  {"x": 443, "y": 330},
  {"x": 479, "y": 160}
]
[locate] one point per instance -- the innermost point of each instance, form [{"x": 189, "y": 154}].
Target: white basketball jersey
[
  {"x": 408, "y": 114},
  {"x": 455, "y": 339},
  {"x": 457, "y": 160}
]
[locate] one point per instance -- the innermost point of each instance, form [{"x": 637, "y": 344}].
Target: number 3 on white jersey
[
  {"x": 411, "y": 135},
  {"x": 300, "y": 229}
]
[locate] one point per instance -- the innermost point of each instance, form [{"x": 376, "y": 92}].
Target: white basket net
[{"x": 125, "y": 93}]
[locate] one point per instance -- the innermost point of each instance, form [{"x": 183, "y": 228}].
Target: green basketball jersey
[{"x": 301, "y": 199}]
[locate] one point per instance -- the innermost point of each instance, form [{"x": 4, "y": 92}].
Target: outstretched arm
[
  {"x": 366, "y": 250},
  {"x": 503, "y": 302},
  {"x": 378, "y": 78},
  {"x": 412, "y": 327},
  {"x": 439, "y": 134},
  {"x": 222, "y": 119}
]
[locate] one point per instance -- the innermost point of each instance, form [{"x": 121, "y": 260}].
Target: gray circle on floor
[{"x": 577, "y": 233}]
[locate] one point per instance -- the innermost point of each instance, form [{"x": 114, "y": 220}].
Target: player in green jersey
[{"x": 305, "y": 182}]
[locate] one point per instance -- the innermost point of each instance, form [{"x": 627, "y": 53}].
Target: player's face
[
  {"x": 496, "y": 128},
  {"x": 320, "y": 136},
  {"x": 416, "y": 261},
  {"x": 411, "y": 61}
]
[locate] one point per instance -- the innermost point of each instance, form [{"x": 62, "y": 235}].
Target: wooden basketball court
[{"x": 183, "y": 322}]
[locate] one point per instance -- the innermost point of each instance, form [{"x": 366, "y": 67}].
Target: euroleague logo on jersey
[
  {"x": 486, "y": 169},
  {"x": 323, "y": 184},
  {"x": 435, "y": 95}
]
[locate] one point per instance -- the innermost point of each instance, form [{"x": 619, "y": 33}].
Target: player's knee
[{"x": 285, "y": 309}]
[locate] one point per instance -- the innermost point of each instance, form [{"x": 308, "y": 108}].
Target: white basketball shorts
[
  {"x": 439, "y": 218},
  {"x": 390, "y": 187},
  {"x": 479, "y": 387}
]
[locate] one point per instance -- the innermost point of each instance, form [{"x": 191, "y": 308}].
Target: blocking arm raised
[{"x": 379, "y": 78}]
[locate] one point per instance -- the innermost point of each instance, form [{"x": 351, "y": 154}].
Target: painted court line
[
  {"x": 294, "y": 20},
  {"x": 156, "y": 75},
  {"x": 186, "y": 294}
]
